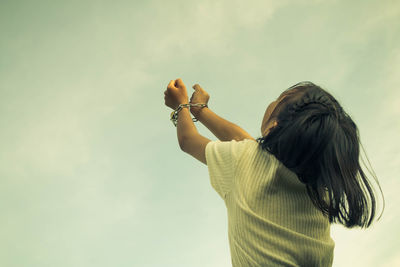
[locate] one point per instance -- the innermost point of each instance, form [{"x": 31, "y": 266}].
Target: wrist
[
  {"x": 180, "y": 103},
  {"x": 174, "y": 114},
  {"x": 197, "y": 112}
]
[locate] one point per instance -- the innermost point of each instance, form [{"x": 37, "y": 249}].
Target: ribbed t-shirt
[{"x": 271, "y": 218}]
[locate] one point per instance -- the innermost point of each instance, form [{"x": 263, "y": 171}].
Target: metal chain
[{"x": 174, "y": 114}]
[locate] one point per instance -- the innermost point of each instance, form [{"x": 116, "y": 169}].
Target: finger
[
  {"x": 196, "y": 86},
  {"x": 171, "y": 84},
  {"x": 179, "y": 82}
]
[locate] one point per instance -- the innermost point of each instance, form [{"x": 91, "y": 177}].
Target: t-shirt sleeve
[{"x": 222, "y": 158}]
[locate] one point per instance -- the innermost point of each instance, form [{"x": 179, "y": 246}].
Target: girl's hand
[
  {"x": 199, "y": 96},
  {"x": 175, "y": 94}
]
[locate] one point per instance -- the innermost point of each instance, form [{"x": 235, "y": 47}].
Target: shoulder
[
  {"x": 234, "y": 143},
  {"x": 253, "y": 147},
  {"x": 235, "y": 148}
]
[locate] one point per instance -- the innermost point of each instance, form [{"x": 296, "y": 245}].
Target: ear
[{"x": 266, "y": 131}]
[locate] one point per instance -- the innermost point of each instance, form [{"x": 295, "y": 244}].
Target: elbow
[
  {"x": 185, "y": 142},
  {"x": 181, "y": 142}
]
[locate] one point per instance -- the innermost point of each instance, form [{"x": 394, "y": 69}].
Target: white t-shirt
[{"x": 271, "y": 219}]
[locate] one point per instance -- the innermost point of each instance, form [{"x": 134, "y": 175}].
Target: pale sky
[{"x": 91, "y": 173}]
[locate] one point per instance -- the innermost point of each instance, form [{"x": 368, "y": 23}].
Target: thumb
[{"x": 196, "y": 87}]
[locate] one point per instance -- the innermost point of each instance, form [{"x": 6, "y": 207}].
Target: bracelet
[{"x": 174, "y": 114}]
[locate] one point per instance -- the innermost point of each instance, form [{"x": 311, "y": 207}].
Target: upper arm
[
  {"x": 240, "y": 134},
  {"x": 195, "y": 145},
  {"x": 244, "y": 136}
]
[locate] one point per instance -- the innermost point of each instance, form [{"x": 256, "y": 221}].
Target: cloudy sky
[{"x": 91, "y": 173}]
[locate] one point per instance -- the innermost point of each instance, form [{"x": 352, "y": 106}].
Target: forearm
[
  {"x": 221, "y": 128},
  {"x": 185, "y": 126}
]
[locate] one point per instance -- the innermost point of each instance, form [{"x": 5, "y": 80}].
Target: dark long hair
[{"x": 316, "y": 139}]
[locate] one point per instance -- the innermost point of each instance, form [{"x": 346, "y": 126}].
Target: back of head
[{"x": 316, "y": 139}]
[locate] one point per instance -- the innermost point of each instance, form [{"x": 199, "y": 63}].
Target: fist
[
  {"x": 199, "y": 96},
  {"x": 175, "y": 94}
]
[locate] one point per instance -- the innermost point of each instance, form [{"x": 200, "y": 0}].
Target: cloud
[
  {"x": 203, "y": 27},
  {"x": 391, "y": 105},
  {"x": 392, "y": 261}
]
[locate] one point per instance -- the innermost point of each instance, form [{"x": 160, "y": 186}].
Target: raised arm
[{"x": 224, "y": 130}]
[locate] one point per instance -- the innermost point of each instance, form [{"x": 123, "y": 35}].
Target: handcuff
[{"x": 174, "y": 114}]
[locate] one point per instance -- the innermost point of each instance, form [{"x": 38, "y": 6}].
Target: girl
[{"x": 284, "y": 189}]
